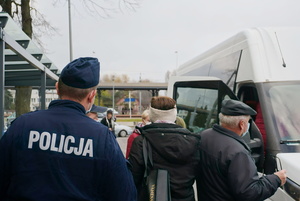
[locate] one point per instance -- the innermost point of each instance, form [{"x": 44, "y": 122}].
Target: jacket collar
[
  {"x": 67, "y": 104},
  {"x": 231, "y": 134},
  {"x": 161, "y": 125}
]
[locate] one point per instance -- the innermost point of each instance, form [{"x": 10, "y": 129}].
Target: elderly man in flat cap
[
  {"x": 62, "y": 154},
  {"x": 227, "y": 171}
]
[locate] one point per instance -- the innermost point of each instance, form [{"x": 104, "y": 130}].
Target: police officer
[
  {"x": 227, "y": 171},
  {"x": 60, "y": 153}
]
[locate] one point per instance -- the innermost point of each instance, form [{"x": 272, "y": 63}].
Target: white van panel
[
  {"x": 261, "y": 60},
  {"x": 290, "y": 162}
]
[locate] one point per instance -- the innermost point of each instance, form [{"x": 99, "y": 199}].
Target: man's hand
[{"x": 282, "y": 176}]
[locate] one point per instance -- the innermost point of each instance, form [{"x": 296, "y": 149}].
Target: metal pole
[
  {"x": 70, "y": 31},
  {"x": 43, "y": 91},
  {"x": 113, "y": 98},
  {"x": 140, "y": 106},
  {"x": 140, "y": 97},
  {"x": 2, "y": 82},
  {"x": 129, "y": 104},
  {"x": 99, "y": 96}
]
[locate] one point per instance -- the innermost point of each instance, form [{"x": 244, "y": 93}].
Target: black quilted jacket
[{"x": 173, "y": 148}]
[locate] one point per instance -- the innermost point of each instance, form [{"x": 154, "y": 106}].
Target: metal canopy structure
[
  {"x": 155, "y": 87},
  {"x": 22, "y": 63},
  {"x": 133, "y": 86}
]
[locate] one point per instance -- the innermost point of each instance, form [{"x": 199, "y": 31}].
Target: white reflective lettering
[
  {"x": 68, "y": 149},
  {"x": 61, "y": 143},
  {"x": 88, "y": 149},
  {"x": 45, "y": 143},
  {"x": 78, "y": 150},
  {"x": 34, "y": 136},
  {"x": 53, "y": 142}
]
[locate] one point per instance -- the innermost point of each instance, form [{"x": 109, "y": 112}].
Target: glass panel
[
  {"x": 285, "y": 104},
  {"x": 224, "y": 68},
  {"x": 198, "y": 107},
  {"x": 202, "y": 71}
]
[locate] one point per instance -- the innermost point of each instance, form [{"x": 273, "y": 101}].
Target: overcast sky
[{"x": 145, "y": 41}]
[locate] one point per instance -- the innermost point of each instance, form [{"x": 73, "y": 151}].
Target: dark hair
[
  {"x": 76, "y": 93},
  {"x": 163, "y": 103},
  {"x": 109, "y": 112}
]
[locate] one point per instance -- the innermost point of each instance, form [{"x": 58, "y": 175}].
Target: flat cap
[
  {"x": 98, "y": 109},
  {"x": 81, "y": 73},
  {"x": 236, "y": 108}
]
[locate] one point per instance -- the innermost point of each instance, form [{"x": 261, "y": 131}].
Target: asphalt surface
[{"x": 123, "y": 143}]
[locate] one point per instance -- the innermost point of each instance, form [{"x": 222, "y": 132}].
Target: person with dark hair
[
  {"x": 173, "y": 148},
  {"x": 227, "y": 171},
  {"x": 108, "y": 121},
  {"x": 62, "y": 154}
]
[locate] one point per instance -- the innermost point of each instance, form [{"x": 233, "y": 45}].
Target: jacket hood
[{"x": 172, "y": 142}]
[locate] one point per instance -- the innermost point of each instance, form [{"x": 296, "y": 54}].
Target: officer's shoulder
[{"x": 26, "y": 115}]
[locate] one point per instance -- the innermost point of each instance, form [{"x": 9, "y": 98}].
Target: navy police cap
[
  {"x": 98, "y": 109},
  {"x": 236, "y": 108},
  {"x": 81, "y": 73}
]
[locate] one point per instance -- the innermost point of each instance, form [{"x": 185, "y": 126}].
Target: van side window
[
  {"x": 224, "y": 68},
  {"x": 198, "y": 107}
]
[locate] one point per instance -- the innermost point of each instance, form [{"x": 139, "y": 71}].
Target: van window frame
[
  {"x": 218, "y": 85},
  {"x": 223, "y": 91}
]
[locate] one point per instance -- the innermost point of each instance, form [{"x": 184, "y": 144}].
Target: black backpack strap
[{"x": 147, "y": 155}]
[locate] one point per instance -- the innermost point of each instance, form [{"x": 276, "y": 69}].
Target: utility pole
[
  {"x": 70, "y": 32},
  {"x": 140, "y": 96},
  {"x": 129, "y": 104},
  {"x": 113, "y": 96}
]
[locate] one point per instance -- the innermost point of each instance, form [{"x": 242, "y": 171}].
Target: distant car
[
  {"x": 122, "y": 130},
  {"x": 100, "y": 115}
]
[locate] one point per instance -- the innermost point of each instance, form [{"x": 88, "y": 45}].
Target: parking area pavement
[{"x": 123, "y": 143}]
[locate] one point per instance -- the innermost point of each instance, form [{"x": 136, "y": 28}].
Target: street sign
[{"x": 129, "y": 99}]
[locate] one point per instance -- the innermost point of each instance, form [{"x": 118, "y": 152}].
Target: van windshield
[{"x": 285, "y": 99}]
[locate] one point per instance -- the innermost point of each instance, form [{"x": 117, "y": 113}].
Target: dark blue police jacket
[{"x": 61, "y": 154}]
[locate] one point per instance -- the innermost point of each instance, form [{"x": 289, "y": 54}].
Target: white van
[{"x": 260, "y": 67}]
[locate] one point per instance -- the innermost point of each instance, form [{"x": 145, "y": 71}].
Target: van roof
[{"x": 268, "y": 54}]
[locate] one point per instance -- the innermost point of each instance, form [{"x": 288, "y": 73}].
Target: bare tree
[
  {"x": 6, "y": 6},
  {"x": 117, "y": 79},
  {"x": 42, "y": 26},
  {"x": 23, "y": 93},
  {"x": 104, "y": 8}
]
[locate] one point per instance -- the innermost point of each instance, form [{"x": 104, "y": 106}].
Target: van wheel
[{"x": 123, "y": 133}]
